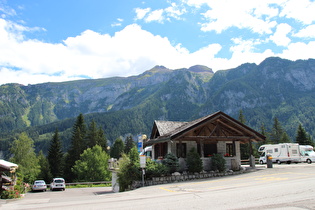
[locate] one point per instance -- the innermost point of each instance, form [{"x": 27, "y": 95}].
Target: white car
[
  {"x": 58, "y": 183},
  {"x": 39, "y": 185}
]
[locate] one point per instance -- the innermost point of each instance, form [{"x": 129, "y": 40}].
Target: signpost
[
  {"x": 143, "y": 162},
  {"x": 140, "y": 143}
]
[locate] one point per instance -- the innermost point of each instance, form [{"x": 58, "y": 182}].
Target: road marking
[
  {"x": 271, "y": 179},
  {"x": 261, "y": 178},
  {"x": 162, "y": 188}
]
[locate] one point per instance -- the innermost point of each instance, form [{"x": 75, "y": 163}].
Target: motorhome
[
  {"x": 280, "y": 153},
  {"x": 147, "y": 151},
  {"x": 307, "y": 153}
]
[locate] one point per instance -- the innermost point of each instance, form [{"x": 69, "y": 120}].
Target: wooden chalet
[
  {"x": 7, "y": 169},
  {"x": 215, "y": 133}
]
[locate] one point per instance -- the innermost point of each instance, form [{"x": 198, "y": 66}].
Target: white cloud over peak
[
  {"x": 280, "y": 37},
  {"x": 131, "y": 50},
  {"x": 92, "y": 55},
  {"x": 308, "y": 32}
]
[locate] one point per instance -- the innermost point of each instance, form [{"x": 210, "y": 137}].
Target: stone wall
[{"x": 177, "y": 177}]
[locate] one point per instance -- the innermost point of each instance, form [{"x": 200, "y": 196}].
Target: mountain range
[{"x": 129, "y": 105}]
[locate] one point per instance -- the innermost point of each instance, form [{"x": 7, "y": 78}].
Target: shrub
[
  {"x": 154, "y": 169},
  {"x": 128, "y": 172},
  {"x": 218, "y": 162},
  {"x": 194, "y": 163},
  {"x": 10, "y": 194},
  {"x": 171, "y": 162},
  {"x": 16, "y": 191}
]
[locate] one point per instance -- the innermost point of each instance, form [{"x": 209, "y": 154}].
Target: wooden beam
[
  {"x": 230, "y": 127},
  {"x": 218, "y": 138}
]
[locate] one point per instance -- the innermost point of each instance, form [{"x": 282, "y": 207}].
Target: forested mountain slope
[{"x": 275, "y": 88}]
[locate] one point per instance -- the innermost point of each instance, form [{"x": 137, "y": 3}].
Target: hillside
[{"x": 274, "y": 88}]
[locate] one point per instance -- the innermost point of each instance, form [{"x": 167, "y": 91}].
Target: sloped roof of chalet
[
  {"x": 7, "y": 166},
  {"x": 163, "y": 131},
  {"x": 167, "y": 127}
]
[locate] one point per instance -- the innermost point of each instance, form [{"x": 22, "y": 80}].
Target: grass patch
[{"x": 89, "y": 185}]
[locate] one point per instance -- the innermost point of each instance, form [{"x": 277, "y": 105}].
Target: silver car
[{"x": 39, "y": 185}]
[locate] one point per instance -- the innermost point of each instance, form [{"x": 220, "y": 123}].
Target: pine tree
[
  {"x": 45, "y": 173},
  {"x": 241, "y": 117},
  {"x": 310, "y": 140},
  {"x": 78, "y": 145},
  {"x": 117, "y": 149},
  {"x": 102, "y": 141},
  {"x": 133, "y": 154},
  {"x": 55, "y": 156},
  {"x": 276, "y": 132},
  {"x": 285, "y": 138},
  {"x": 129, "y": 144},
  {"x": 92, "y": 135},
  {"x": 96, "y": 136},
  {"x": 23, "y": 154},
  {"x": 243, "y": 147},
  {"x": 301, "y": 136}
]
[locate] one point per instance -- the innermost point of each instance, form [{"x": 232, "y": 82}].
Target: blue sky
[{"x": 54, "y": 40}]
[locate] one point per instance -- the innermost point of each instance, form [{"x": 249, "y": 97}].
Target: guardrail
[
  {"x": 88, "y": 183},
  {"x": 246, "y": 161},
  {"x": 85, "y": 183}
]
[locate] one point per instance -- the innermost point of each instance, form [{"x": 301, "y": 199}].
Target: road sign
[{"x": 143, "y": 159}]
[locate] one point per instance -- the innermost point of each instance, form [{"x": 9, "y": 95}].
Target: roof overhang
[
  {"x": 237, "y": 131},
  {"x": 7, "y": 166}
]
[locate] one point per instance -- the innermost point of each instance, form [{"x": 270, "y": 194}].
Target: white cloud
[
  {"x": 117, "y": 23},
  {"x": 254, "y": 15},
  {"x": 308, "y": 32},
  {"x": 132, "y": 50},
  {"x": 156, "y": 15},
  {"x": 299, "y": 50},
  {"x": 174, "y": 11},
  {"x": 280, "y": 37},
  {"x": 141, "y": 13},
  {"x": 301, "y": 10},
  {"x": 128, "y": 52},
  {"x": 159, "y": 15},
  {"x": 243, "y": 51}
]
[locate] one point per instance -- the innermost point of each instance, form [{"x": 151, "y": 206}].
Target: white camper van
[
  {"x": 281, "y": 153},
  {"x": 147, "y": 151},
  {"x": 307, "y": 153}
]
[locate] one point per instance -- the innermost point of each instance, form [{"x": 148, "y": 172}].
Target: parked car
[
  {"x": 39, "y": 185},
  {"x": 58, "y": 183}
]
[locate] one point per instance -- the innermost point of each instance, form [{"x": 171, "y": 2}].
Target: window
[
  {"x": 276, "y": 149},
  {"x": 160, "y": 150},
  {"x": 230, "y": 150},
  {"x": 181, "y": 150},
  {"x": 208, "y": 149},
  {"x": 269, "y": 151}
]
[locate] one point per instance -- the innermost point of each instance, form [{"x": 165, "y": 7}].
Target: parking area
[{"x": 280, "y": 181}]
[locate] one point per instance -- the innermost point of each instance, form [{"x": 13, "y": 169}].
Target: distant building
[
  {"x": 215, "y": 133},
  {"x": 7, "y": 175}
]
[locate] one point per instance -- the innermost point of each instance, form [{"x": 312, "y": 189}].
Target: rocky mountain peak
[{"x": 200, "y": 68}]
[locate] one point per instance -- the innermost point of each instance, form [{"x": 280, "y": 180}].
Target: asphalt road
[{"x": 281, "y": 187}]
